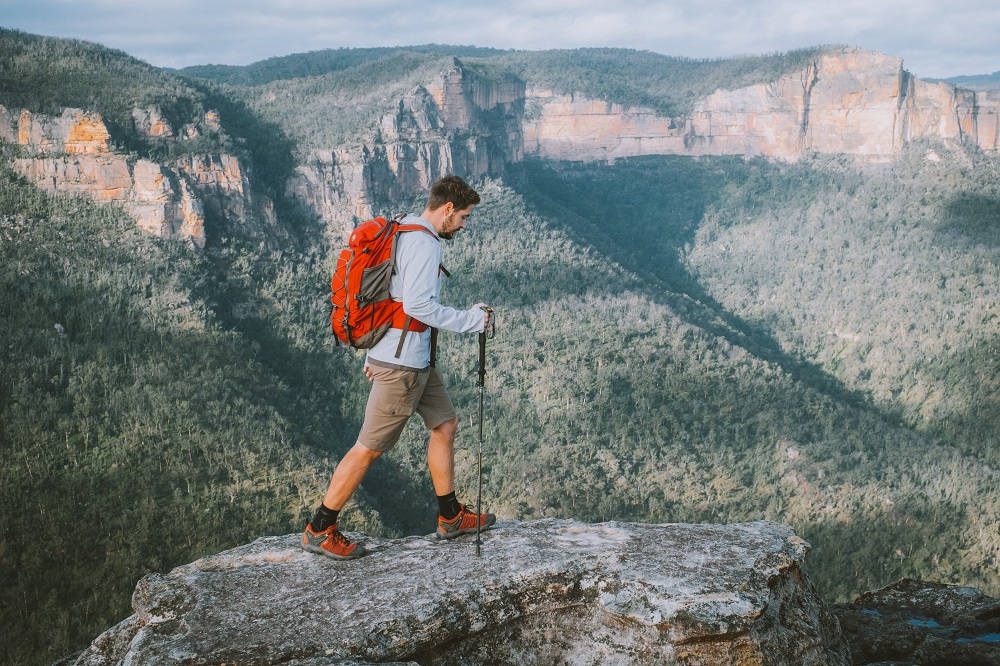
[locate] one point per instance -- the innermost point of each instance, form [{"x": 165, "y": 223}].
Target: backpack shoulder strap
[
  {"x": 415, "y": 227},
  {"x": 402, "y": 228},
  {"x": 398, "y": 219}
]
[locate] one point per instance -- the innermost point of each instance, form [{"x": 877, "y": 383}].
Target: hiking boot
[
  {"x": 330, "y": 542},
  {"x": 463, "y": 523}
]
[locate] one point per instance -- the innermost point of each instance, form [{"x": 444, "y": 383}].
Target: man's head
[{"x": 449, "y": 205}]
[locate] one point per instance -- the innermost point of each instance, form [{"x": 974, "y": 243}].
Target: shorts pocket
[{"x": 404, "y": 394}]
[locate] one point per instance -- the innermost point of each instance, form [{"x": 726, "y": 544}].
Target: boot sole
[{"x": 322, "y": 551}]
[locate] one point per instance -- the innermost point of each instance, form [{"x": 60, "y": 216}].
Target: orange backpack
[{"x": 362, "y": 310}]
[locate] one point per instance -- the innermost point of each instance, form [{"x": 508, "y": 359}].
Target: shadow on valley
[
  {"x": 271, "y": 152},
  {"x": 643, "y": 213},
  {"x": 873, "y": 550},
  {"x": 971, "y": 217},
  {"x": 972, "y": 375}
]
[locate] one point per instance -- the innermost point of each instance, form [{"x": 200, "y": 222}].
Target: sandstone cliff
[
  {"x": 74, "y": 153},
  {"x": 543, "y": 592},
  {"x": 458, "y": 123},
  {"x": 846, "y": 102}
]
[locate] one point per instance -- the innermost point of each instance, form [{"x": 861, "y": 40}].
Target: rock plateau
[{"x": 543, "y": 592}]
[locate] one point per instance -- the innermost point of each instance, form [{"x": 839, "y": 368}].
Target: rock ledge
[{"x": 549, "y": 591}]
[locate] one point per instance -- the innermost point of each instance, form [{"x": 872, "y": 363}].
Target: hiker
[{"x": 404, "y": 380}]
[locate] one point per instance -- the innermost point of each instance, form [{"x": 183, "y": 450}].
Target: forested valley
[{"x": 678, "y": 340}]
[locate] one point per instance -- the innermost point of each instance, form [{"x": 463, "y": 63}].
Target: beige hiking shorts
[{"x": 396, "y": 394}]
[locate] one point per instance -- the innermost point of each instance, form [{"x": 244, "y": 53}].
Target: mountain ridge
[{"x": 459, "y": 120}]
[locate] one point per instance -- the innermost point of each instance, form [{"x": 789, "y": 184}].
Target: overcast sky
[{"x": 935, "y": 38}]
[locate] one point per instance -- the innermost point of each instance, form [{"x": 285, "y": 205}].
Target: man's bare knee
[
  {"x": 448, "y": 428},
  {"x": 363, "y": 451}
]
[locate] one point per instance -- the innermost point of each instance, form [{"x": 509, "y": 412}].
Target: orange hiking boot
[
  {"x": 331, "y": 542},
  {"x": 463, "y": 523}
]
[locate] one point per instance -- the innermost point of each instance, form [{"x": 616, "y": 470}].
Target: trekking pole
[{"x": 481, "y": 383}]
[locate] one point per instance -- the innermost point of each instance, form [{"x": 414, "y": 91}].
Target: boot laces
[
  {"x": 339, "y": 538},
  {"x": 471, "y": 511}
]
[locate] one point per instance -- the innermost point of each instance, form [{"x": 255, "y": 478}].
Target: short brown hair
[{"x": 454, "y": 189}]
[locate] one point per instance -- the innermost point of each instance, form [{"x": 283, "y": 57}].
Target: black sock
[
  {"x": 324, "y": 518},
  {"x": 448, "y": 506}
]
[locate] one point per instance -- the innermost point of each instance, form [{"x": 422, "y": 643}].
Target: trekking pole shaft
[
  {"x": 482, "y": 360},
  {"x": 482, "y": 391}
]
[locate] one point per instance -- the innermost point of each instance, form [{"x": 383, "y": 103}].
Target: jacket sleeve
[{"x": 419, "y": 267}]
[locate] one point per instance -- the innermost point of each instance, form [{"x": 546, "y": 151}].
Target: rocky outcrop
[
  {"x": 151, "y": 122},
  {"x": 457, "y": 123},
  {"x": 916, "y": 622},
  {"x": 845, "y": 102},
  {"x": 74, "y": 132},
  {"x": 224, "y": 186},
  {"x": 547, "y": 592},
  {"x": 73, "y": 153},
  {"x": 164, "y": 204},
  {"x": 848, "y": 102}
]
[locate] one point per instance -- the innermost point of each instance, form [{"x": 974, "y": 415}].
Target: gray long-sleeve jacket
[{"x": 417, "y": 283}]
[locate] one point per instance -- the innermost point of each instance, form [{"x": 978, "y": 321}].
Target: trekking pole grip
[{"x": 483, "y": 337}]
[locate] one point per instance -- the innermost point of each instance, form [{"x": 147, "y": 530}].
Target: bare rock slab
[
  {"x": 542, "y": 592},
  {"x": 923, "y": 623}
]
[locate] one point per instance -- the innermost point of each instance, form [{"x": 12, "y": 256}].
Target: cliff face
[
  {"x": 543, "y": 592},
  {"x": 458, "y": 123},
  {"x": 73, "y": 153},
  {"x": 849, "y": 102}
]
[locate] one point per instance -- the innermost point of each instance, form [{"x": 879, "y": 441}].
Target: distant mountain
[
  {"x": 977, "y": 82},
  {"x": 669, "y": 84},
  {"x": 754, "y": 288},
  {"x": 318, "y": 63}
]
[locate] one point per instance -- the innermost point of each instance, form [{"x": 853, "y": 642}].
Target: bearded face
[
  {"x": 448, "y": 227},
  {"x": 454, "y": 222}
]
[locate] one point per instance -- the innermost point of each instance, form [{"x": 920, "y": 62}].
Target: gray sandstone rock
[
  {"x": 918, "y": 622},
  {"x": 543, "y": 592}
]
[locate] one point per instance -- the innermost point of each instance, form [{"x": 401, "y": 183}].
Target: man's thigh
[
  {"x": 435, "y": 404},
  {"x": 394, "y": 397}
]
